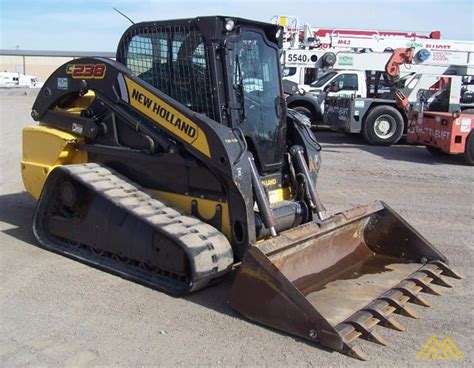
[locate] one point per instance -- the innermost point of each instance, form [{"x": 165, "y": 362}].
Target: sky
[{"x": 92, "y": 25}]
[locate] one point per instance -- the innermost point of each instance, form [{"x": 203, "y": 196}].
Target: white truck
[
  {"x": 8, "y": 79},
  {"x": 29, "y": 81}
]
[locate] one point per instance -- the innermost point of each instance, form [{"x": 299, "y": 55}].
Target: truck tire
[
  {"x": 383, "y": 126},
  {"x": 469, "y": 149},
  {"x": 305, "y": 111}
]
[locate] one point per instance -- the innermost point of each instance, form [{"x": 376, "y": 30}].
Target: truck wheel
[
  {"x": 469, "y": 149},
  {"x": 383, "y": 126},
  {"x": 304, "y": 111}
]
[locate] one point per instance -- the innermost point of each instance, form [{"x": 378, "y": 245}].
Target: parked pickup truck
[{"x": 342, "y": 83}]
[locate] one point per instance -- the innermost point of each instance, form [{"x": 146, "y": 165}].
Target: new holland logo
[
  {"x": 167, "y": 116},
  {"x": 434, "y": 350}
]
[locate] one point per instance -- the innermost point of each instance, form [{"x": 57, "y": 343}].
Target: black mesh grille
[{"x": 172, "y": 59}]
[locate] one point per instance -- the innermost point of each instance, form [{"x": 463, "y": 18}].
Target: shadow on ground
[
  {"x": 331, "y": 141},
  {"x": 16, "y": 212}
]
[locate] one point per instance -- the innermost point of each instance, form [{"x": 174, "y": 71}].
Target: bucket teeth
[
  {"x": 394, "y": 324},
  {"x": 425, "y": 286},
  {"x": 366, "y": 332},
  {"x": 385, "y": 320},
  {"x": 400, "y": 308},
  {"x": 362, "y": 323},
  {"x": 446, "y": 270},
  {"x": 437, "y": 279},
  {"x": 354, "y": 352},
  {"x": 414, "y": 298}
]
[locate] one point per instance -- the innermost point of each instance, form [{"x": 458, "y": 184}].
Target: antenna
[{"x": 118, "y": 11}]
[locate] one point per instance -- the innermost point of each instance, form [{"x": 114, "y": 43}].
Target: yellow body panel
[
  {"x": 43, "y": 149},
  {"x": 79, "y": 104},
  {"x": 279, "y": 195},
  {"x": 206, "y": 208}
]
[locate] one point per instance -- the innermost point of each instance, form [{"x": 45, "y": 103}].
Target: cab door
[{"x": 344, "y": 85}]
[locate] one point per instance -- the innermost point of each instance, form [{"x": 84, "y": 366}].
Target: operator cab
[{"x": 225, "y": 68}]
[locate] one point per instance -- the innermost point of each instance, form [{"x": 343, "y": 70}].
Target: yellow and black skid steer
[{"x": 179, "y": 160}]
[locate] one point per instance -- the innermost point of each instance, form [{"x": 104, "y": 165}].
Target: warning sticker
[
  {"x": 77, "y": 128},
  {"x": 359, "y": 104},
  {"x": 62, "y": 83},
  {"x": 465, "y": 125}
]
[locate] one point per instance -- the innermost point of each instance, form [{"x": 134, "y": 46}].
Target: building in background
[{"x": 41, "y": 63}]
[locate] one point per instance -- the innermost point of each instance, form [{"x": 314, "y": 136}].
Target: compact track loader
[{"x": 179, "y": 160}]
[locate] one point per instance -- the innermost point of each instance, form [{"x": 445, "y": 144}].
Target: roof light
[{"x": 229, "y": 25}]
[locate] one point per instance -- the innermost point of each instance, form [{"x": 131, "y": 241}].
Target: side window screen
[
  {"x": 173, "y": 60},
  {"x": 140, "y": 54},
  {"x": 199, "y": 56}
]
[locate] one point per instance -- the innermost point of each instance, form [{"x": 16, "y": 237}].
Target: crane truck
[
  {"x": 373, "y": 111},
  {"x": 353, "y": 63},
  {"x": 370, "y": 77}
]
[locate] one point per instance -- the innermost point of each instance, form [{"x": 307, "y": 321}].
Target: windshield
[
  {"x": 321, "y": 81},
  {"x": 257, "y": 90}
]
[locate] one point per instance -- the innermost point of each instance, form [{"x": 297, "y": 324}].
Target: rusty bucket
[{"x": 333, "y": 281}]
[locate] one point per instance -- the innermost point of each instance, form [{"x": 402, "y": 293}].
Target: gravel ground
[{"x": 58, "y": 312}]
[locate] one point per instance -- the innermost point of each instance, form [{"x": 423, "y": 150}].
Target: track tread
[{"x": 210, "y": 254}]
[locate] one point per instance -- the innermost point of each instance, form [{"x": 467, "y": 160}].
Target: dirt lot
[{"x": 55, "y": 311}]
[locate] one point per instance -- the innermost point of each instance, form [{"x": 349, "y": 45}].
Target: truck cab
[
  {"x": 29, "y": 81},
  {"x": 334, "y": 83}
]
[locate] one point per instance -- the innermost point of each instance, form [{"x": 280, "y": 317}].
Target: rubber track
[{"x": 209, "y": 252}]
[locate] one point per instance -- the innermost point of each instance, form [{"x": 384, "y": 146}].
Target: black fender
[{"x": 310, "y": 102}]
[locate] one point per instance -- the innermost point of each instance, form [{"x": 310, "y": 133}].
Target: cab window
[
  {"x": 346, "y": 82},
  {"x": 287, "y": 72}
]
